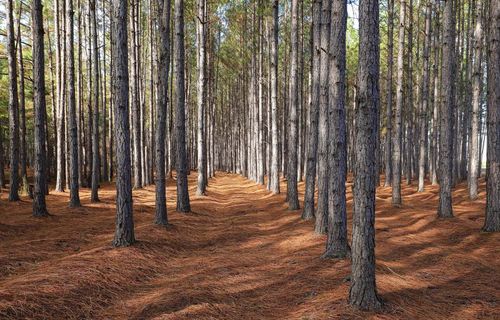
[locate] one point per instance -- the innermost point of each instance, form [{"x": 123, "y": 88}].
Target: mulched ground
[{"x": 241, "y": 255}]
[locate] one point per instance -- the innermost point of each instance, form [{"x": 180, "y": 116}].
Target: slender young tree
[
  {"x": 23, "y": 155},
  {"x": 398, "y": 130},
  {"x": 337, "y": 245},
  {"x": 163, "y": 12},
  {"x": 363, "y": 291},
  {"x": 476, "y": 103},
  {"x": 183, "y": 204},
  {"x": 134, "y": 96},
  {"x": 124, "y": 231},
  {"x": 39, "y": 206},
  {"x": 424, "y": 99},
  {"x": 292, "y": 192},
  {"x": 201, "y": 34},
  {"x": 60, "y": 105},
  {"x": 390, "y": 57},
  {"x": 447, "y": 113},
  {"x": 322, "y": 209},
  {"x": 275, "y": 183},
  {"x": 312, "y": 145},
  {"x": 492, "y": 220},
  {"x": 94, "y": 197},
  {"x": 13, "y": 105},
  {"x": 74, "y": 196}
]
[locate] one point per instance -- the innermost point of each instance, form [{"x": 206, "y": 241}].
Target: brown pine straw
[{"x": 241, "y": 255}]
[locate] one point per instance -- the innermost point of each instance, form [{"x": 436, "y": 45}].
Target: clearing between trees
[{"x": 241, "y": 254}]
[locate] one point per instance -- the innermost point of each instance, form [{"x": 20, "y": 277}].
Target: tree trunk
[
  {"x": 476, "y": 104},
  {"x": 409, "y": 110},
  {"x": 124, "y": 232},
  {"x": 94, "y": 197},
  {"x": 448, "y": 105},
  {"x": 292, "y": 192},
  {"x": 275, "y": 183},
  {"x": 322, "y": 210},
  {"x": 492, "y": 219},
  {"x": 163, "y": 20},
  {"x": 363, "y": 292},
  {"x": 397, "y": 134},
  {"x": 424, "y": 99},
  {"x": 13, "y": 106},
  {"x": 60, "y": 161},
  {"x": 22, "y": 109},
  {"x": 201, "y": 32},
  {"x": 183, "y": 204},
  {"x": 312, "y": 145},
  {"x": 105, "y": 167},
  {"x": 74, "y": 197},
  {"x": 337, "y": 245},
  {"x": 136, "y": 110},
  {"x": 39, "y": 207},
  {"x": 390, "y": 55},
  {"x": 437, "y": 98}
]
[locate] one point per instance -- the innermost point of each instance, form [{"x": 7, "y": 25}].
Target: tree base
[
  {"x": 306, "y": 216},
  {"x": 75, "y": 205},
  {"x": 337, "y": 254},
  {"x": 364, "y": 299},
  {"x": 117, "y": 243},
  {"x": 490, "y": 228}
]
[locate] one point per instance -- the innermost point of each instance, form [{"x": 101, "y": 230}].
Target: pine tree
[
  {"x": 13, "y": 105},
  {"x": 40, "y": 162},
  {"x": 292, "y": 192},
  {"x": 492, "y": 220},
  {"x": 73, "y": 128},
  {"x": 163, "y": 20},
  {"x": 201, "y": 95},
  {"x": 363, "y": 291},
  {"x": 124, "y": 231},
  {"x": 183, "y": 204},
  {"x": 312, "y": 146},
  {"x": 447, "y": 110},
  {"x": 337, "y": 245}
]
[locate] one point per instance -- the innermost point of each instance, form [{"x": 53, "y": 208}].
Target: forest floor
[{"x": 241, "y": 255}]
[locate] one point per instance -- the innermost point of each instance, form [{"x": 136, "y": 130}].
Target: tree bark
[
  {"x": 476, "y": 104},
  {"x": 183, "y": 204},
  {"x": 136, "y": 109},
  {"x": 275, "y": 183},
  {"x": 39, "y": 206},
  {"x": 322, "y": 210},
  {"x": 22, "y": 109},
  {"x": 336, "y": 244},
  {"x": 363, "y": 292},
  {"x": 163, "y": 8},
  {"x": 13, "y": 106},
  {"x": 124, "y": 231},
  {"x": 201, "y": 31},
  {"x": 424, "y": 99},
  {"x": 492, "y": 219},
  {"x": 448, "y": 105},
  {"x": 390, "y": 57},
  {"x": 312, "y": 145},
  {"x": 94, "y": 197},
  {"x": 397, "y": 134},
  {"x": 74, "y": 196},
  {"x": 60, "y": 160},
  {"x": 292, "y": 191}
]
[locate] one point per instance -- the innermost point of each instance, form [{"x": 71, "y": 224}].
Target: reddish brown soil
[{"x": 241, "y": 255}]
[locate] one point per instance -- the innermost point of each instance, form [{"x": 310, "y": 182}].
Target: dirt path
[{"x": 240, "y": 255}]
